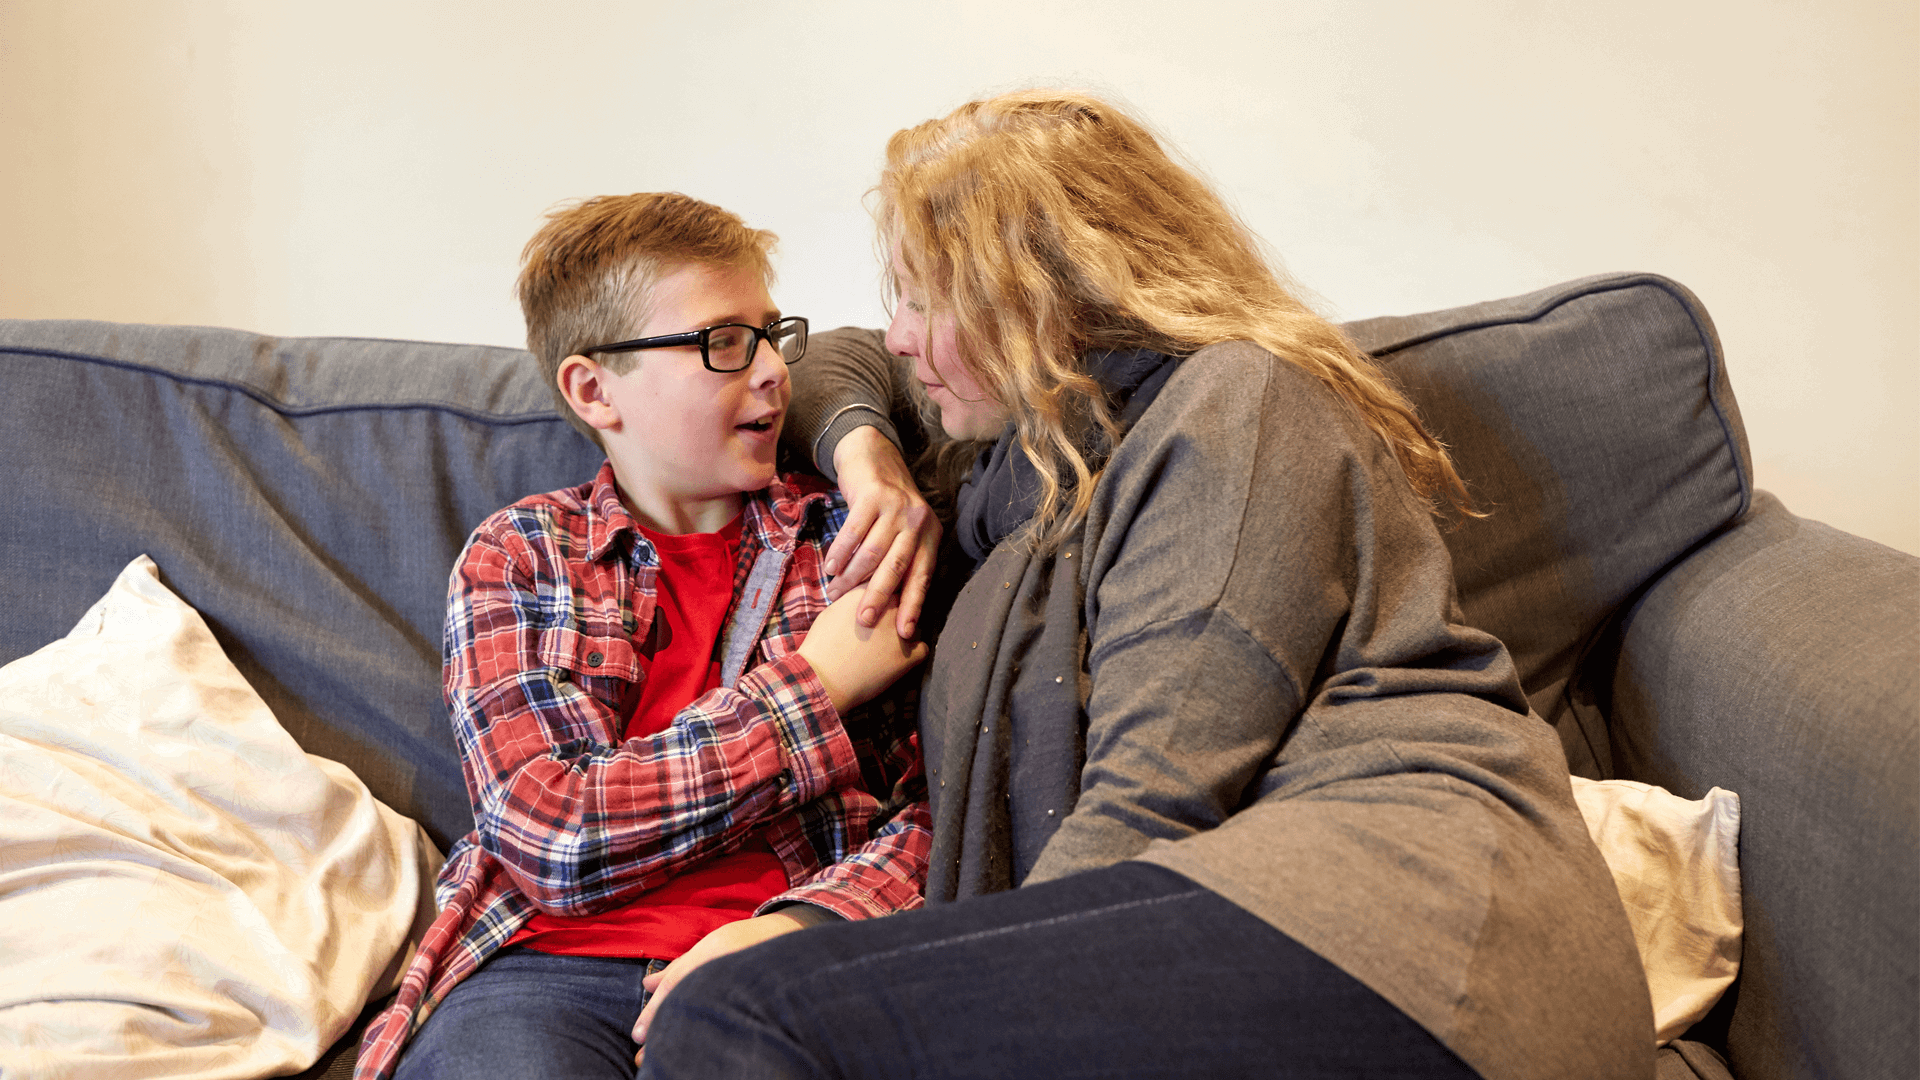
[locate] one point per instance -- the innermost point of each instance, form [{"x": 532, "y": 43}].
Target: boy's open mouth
[{"x": 762, "y": 424}]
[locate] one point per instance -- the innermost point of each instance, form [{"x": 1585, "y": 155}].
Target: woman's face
[{"x": 966, "y": 410}]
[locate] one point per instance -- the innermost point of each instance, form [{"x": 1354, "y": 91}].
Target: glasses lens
[
  {"x": 730, "y": 347},
  {"x": 790, "y": 337}
]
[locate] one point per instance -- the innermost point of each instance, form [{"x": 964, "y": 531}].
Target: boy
[{"x": 645, "y": 677}]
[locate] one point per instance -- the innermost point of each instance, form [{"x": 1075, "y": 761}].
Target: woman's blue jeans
[{"x": 1130, "y": 971}]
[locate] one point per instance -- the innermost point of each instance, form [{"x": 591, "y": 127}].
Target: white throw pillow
[
  {"x": 183, "y": 891},
  {"x": 1676, "y": 863}
]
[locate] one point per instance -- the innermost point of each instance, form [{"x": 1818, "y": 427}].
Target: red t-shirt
[{"x": 680, "y": 659}]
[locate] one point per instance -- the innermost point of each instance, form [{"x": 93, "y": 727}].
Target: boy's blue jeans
[
  {"x": 528, "y": 1014},
  {"x": 1129, "y": 971}
]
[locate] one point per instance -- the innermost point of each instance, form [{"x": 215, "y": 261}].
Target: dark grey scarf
[
  {"x": 1005, "y": 733},
  {"x": 1004, "y": 489}
]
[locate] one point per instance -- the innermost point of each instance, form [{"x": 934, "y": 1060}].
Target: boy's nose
[{"x": 768, "y": 367}]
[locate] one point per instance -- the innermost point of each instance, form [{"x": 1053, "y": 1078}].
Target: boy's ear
[{"x": 584, "y": 384}]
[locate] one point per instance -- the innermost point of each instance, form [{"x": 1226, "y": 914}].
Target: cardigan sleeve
[
  {"x": 848, "y": 380},
  {"x": 1256, "y": 560}
]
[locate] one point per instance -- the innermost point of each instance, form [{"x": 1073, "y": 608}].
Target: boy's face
[{"x": 686, "y": 434}]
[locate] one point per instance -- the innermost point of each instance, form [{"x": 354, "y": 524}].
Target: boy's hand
[
  {"x": 891, "y": 535},
  {"x": 856, "y": 662},
  {"x": 729, "y": 938}
]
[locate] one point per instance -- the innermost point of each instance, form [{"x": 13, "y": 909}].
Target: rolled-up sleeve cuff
[
  {"x": 852, "y": 899},
  {"x": 819, "y": 756},
  {"x": 842, "y": 424}
]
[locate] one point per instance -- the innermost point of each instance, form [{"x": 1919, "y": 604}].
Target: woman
[{"x": 1222, "y": 782}]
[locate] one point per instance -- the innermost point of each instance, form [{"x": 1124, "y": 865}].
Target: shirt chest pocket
[{"x": 588, "y": 659}]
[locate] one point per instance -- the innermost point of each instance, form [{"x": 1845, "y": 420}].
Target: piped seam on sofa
[{"x": 281, "y": 407}]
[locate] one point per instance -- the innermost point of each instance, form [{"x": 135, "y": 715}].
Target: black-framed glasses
[{"x": 729, "y": 346}]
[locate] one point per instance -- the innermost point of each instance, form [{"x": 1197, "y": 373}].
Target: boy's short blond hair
[{"x": 586, "y": 276}]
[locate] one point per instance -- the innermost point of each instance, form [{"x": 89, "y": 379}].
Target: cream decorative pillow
[
  {"x": 183, "y": 891},
  {"x": 1676, "y": 864}
]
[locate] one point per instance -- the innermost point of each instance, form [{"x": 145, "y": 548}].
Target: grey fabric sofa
[{"x": 308, "y": 497}]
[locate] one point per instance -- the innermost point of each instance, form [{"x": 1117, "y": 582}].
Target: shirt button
[{"x": 594, "y": 658}]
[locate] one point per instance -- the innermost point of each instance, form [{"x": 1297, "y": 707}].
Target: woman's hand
[
  {"x": 891, "y": 535},
  {"x": 855, "y": 662},
  {"x": 728, "y": 939}
]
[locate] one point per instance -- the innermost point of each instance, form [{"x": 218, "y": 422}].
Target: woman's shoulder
[
  {"x": 1235, "y": 390},
  {"x": 1227, "y": 423},
  {"x": 1239, "y": 368}
]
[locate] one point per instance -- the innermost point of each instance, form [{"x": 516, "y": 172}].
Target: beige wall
[{"x": 372, "y": 168}]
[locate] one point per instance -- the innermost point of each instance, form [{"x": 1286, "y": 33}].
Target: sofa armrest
[{"x": 1782, "y": 661}]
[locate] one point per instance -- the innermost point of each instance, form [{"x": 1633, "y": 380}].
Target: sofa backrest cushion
[
  {"x": 1595, "y": 424},
  {"x": 307, "y": 496}
]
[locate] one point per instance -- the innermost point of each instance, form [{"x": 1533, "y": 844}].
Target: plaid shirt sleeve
[
  {"x": 887, "y": 873},
  {"x": 579, "y": 819}
]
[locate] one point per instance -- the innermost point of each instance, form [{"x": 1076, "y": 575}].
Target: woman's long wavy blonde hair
[{"x": 1051, "y": 224}]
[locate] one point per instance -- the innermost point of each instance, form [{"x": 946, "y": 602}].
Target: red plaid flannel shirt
[{"x": 541, "y": 672}]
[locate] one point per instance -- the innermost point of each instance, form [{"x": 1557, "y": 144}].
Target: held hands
[
  {"x": 855, "y": 662},
  {"x": 891, "y": 535},
  {"x": 727, "y": 939}
]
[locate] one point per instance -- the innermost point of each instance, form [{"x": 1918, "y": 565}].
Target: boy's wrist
[{"x": 836, "y": 696}]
